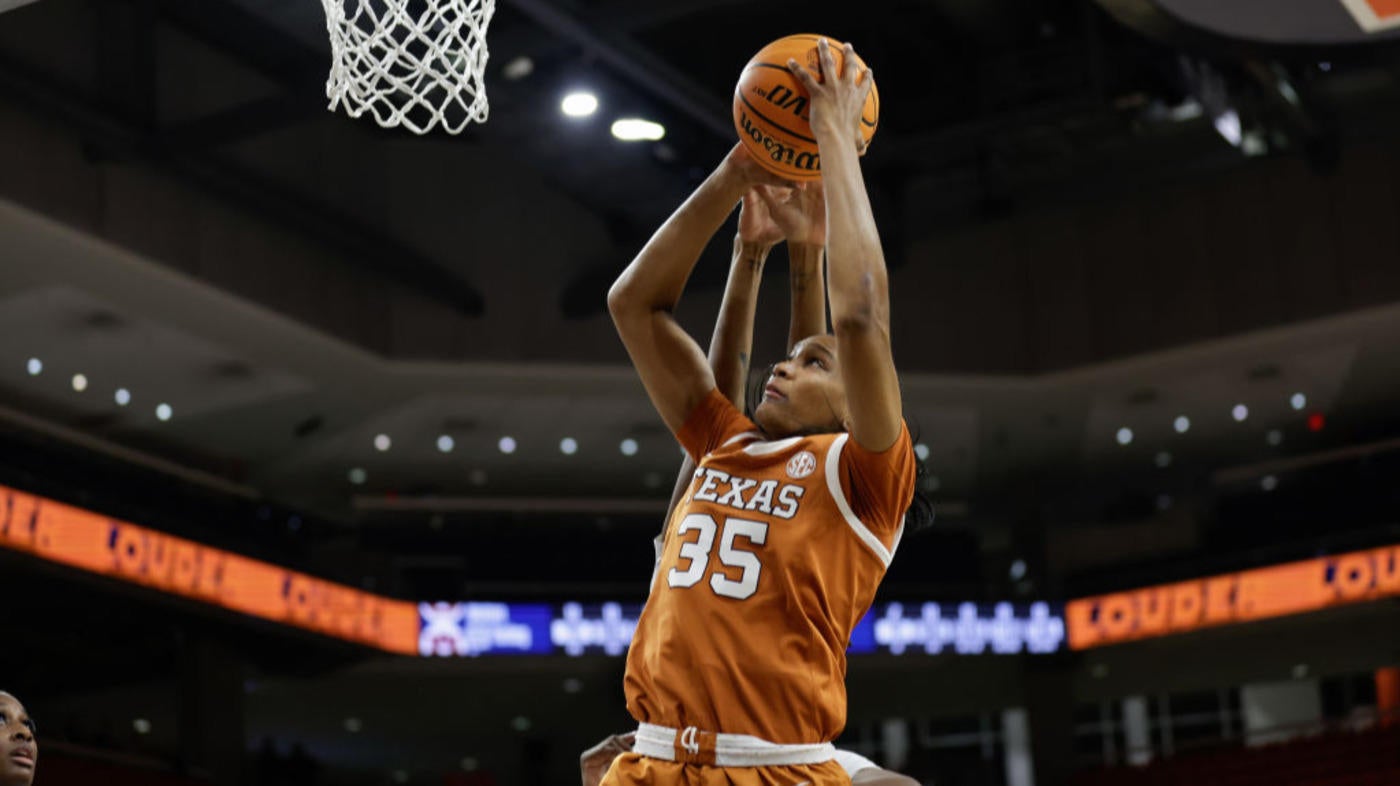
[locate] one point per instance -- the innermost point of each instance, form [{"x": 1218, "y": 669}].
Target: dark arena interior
[{"x": 323, "y": 464}]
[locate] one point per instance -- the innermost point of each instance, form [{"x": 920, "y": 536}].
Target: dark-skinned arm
[{"x": 857, "y": 281}]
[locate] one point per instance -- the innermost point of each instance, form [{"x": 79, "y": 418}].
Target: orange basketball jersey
[{"x": 768, "y": 563}]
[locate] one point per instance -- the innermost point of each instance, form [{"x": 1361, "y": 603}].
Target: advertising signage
[
  {"x": 1262, "y": 593},
  {"x": 117, "y": 549}
]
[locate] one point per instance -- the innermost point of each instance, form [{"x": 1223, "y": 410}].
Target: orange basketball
[{"x": 771, "y": 112}]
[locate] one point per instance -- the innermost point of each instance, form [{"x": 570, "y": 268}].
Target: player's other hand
[
  {"x": 595, "y": 761},
  {"x": 799, "y": 213},
  {"x": 741, "y": 166},
  {"x": 756, "y": 224}
]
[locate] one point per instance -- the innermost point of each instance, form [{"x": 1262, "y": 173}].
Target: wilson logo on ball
[
  {"x": 786, "y": 98},
  {"x": 777, "y": 151}
]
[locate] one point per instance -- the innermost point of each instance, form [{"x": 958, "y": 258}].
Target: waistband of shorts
[{"x": 692, "y": 746}]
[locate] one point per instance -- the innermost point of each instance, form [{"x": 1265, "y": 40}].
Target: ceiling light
[
  {"x": 79, "y": 382},
  {"x": 1125, "y": 436},
  {"x": 1298, "y": 401},
  {"x": 573, "y": 685},
  {"x": 163, "y": 411},
  {"x": 635, "y": 129},
  {"x": 382, "y": 442},
  {"x": 628, "y": 447},
  {"x": 579, "y": 104},
  {"x": 519, "y": 68},
  {"x": 469, "y": 764},
  {"x": 1018, "y": 570},
  {"x": 1164, "y": 502},
  {"x": 353, "y": 725},
  {"x": 477, "y": 477},
  {"x": 652, "y": 480},
  {"x": 1182, "y": 424},
  {"x": 1274, "y": 437},
  {"x": 400, "y": 776},
  {"x": 1239, "y": 413},
  {"x": 520, "y": 723},
  {"x": 141, "y": 726},
  {"x": 921, "y": 450},
  {"x": 568, "y": 446},
  {"x": 446, "y": 443},
  {"x": 1268, "y": 482},
  {"x": 1228, "y": 125},
  {"x": 122, "y": 397},
  {"x": 507, "y": 445},
  {"x": 1163, "y": 459},
  {"x": 358, "y": 476},
  {"x": 35, "y": 366},
  {"x": 932, "y": 483}
]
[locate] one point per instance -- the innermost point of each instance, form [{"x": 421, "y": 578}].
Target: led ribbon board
[
  {"x": 82, "y": 539},
  {"x": 574, "y": 629},
  {"x": 108, "y": 547},
  {"x": 1263, "y": 593}
]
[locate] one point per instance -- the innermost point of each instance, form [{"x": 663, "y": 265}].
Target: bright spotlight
[
  {"x": 79, "y": 382},
  {"x": 579, "y": 104},
  {"x": 1239, "y": 413},
  {"x": 122, "y": 397},
  {"x": 628, "y": 447},
  {"x": 507, "y": 445},
  {"x": 382, "y": 442},
  {"x": 1125, "y": 436},
  {"x": 921, "y": 450},
  {"x": 1298, "y": 401},
  {"x": 35, "y": 367},
  {"x": 1182, "y": 424},
  {"x": 446, "y": 443},
  {"x": 163, "y": 411},
  {"x": 634, "y": 129},
  {"x": 568, "y": 446}
]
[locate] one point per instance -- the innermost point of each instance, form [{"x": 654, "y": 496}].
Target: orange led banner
[
  {"x": 1276, "y": 591},
  {"x": 83, "y": 539}
]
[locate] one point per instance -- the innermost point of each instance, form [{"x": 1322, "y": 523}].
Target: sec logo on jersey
[{"x": 801, "y": 465}]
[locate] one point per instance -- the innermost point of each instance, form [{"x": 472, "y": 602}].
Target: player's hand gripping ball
[{"x": 771, "y": 109}]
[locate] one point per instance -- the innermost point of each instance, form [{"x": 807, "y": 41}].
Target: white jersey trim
[
  {"x": 769, "y": 448},
  {"x": 731, "y": 750},
  {"x": 738, "y": 437},
  {"x": 833, "y": 484}
]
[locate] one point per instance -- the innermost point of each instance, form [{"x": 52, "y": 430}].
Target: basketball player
[
  {"x": 736, "y": 670},
  {"x": 767, "y": 215},
  {"x": 19, "y": 750}
]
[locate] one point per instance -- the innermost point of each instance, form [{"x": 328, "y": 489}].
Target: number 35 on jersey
[{"x": 736, "y": 537}]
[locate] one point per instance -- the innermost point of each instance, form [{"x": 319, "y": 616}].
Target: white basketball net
[{"x": 419, "y": 64}]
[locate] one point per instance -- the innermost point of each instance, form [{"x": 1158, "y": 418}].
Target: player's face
[
  {"x": 804, "y": 394},
  {"x": 19, "y": 751}
]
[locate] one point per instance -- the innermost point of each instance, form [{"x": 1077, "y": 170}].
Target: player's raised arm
[
  {"x": 857, "y": 283},
  {"x": 642, "y": 300},
  {"x": 801, "y": 214},
  {"x": 731, "y": 345}
]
